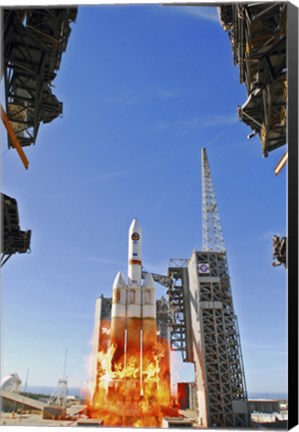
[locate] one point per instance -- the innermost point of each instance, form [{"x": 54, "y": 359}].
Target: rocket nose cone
[
  {"x": 135, "y": 226},
  {"x": 148, "y": 281},
  {"x": 119, "y": 281}
]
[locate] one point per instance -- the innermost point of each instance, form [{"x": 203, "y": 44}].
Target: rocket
[
  {"x": 149, "y": 319},
  {"x": 133, "y": 315},
  {"x": 118, "y": 316},
  {"x": 134, "y": 307}
]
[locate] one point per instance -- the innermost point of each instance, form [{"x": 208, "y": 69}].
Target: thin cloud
[
  {"x": 161, "y": 202},
  {"x": 101, "y": 260},
  {"x": 257, "y": 345},
  {"x": 165, "y": 94},
  {"x": 280, "y": 370},
  {"x": 134, "y": 96},
  {"x": 47, "y": 196},
  {"x": 106, "y": 176},
  {"x": 267, "y": 349},
  {"x": 78, "y": 315},
  {"x": 183, "y": 126},
  {"x": 219, "y": 120},
  {"x": 57, "y": 196},
  {"x": 202, "y": 12},
  {"x": 266, "y": 236},
  {"x": 269, "y": 235}
]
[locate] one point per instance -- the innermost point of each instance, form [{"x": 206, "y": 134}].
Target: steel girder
[
  {"x": 34, "y": 40},
  {"x": 14, "y": 240},
  {"x": 179, "y": 310},
  {"x": 224, "y": 372},
  {"x": 106, "y": 307},
  {"x": 257, "y": 33}
]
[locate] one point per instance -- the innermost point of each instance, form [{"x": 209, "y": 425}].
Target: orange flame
[{"x": 129, "y": 392}]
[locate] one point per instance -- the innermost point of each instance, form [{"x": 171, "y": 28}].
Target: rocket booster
[
  {"x": 134, "y": 287},
  {"x": 118, "y": 316},
  {"x": 149, "y": 319},
  {"x": 133, "y": 316}
]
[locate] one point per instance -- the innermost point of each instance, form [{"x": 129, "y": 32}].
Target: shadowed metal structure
[
  {"x": 220, "y": 379},
  {"x": 257, "y": 33},
  {"x": 212, "y": 237},
  {"x": 13, "y": 240},
  {"x": 203, "y": 325},
  {"x": 34, "y": 41},
  {"x": 279, "y": 247}
]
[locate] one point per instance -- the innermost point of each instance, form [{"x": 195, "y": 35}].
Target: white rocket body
[
  {"x": 133, "y": 315},
  {"x": 118, "y": 316},
  {"x": 134, "y": 270}
]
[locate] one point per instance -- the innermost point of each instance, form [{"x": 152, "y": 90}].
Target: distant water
[
  {"x": 78, "y": 392},
  {"x": 261, "y": 395},
  {"x": 46, "y": 390}
]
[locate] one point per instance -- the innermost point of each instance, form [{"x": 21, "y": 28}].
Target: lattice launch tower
[
  {"x": 222, "y": 396},
  {"x": 212, "y": 236},
  {"x": 203, "y": 325}
]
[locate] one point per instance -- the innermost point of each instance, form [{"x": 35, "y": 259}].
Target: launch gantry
[
  {"x": 199, "y": 321},
  {"x": 212, "y": 236},
  {"x": 34, "y": 42},
  {"x": 257, "y": 32},
  {"x": 14, "y": 239},
  {"x": 220, "y": 379},
  {"x": 202, "y": 321}
]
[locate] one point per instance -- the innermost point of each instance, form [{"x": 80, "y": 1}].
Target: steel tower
[
  {"x": 222, "y": 396},
  {"x": 212, "y": 236}
]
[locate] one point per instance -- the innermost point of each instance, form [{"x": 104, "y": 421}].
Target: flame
[{"x": 133, "y": 391}]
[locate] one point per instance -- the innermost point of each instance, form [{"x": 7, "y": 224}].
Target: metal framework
[
  {"x": 212, "y": 236},
  {"x": 13, "y": 240},
  {"x": 162, "y": 318},
  {"x": 161, "y": 279},
  {"x": 219, "y": 347},
  {"x": 257, "y": 33},
  {"x": 279, "y": 245},
  {"x": 106, "y": 307},
  {"x": 59, "y": 396},
  {"x": 34, "y": 41},
  {"x": 216, "y": 342},
  {"x": 179, "y": 309}
]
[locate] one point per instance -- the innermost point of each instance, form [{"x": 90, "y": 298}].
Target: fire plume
[
  {"x": 131, "y": 369},
  {"x": 132, "y": 391}
]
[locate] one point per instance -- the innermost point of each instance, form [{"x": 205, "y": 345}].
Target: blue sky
[{"x": 143, "y": 89}]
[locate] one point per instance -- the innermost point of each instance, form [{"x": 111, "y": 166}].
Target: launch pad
[
  {"x": 138, "y": 392},
  {"x": 134, "y": 334}
]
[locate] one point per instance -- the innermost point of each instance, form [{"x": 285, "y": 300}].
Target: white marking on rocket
[
  {"x": 119, "y": 296},
  {"x": 118, "y": 316},
  {"x": 134, "y": 270},
  {"x": 149, "y": 297}
]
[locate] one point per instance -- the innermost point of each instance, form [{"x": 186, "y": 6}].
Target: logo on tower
[
  {"x": 135, "y": 236},
  {"x": 204, "y": 268}
]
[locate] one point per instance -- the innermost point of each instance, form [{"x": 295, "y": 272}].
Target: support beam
[
  {"x": 13, "y": 138},
  {"x": 281, "y": 163}
]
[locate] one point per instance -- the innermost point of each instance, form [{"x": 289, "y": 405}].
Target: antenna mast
[{"x": 212, "y": 236}]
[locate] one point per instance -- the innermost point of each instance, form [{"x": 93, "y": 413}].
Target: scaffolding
[
  {"x": 34, "y": 41},
  {"x": 257, "y": 33},
  {"x": 203, "y": 325},
  {"x": 216, "y": 343},
  {"x": 179, "y": 309},
  {"x": 14, "y": 240}
]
